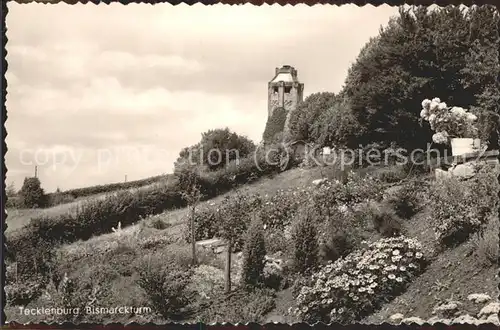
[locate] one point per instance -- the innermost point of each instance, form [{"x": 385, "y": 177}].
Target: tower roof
[{"x": 286, "y": 74}]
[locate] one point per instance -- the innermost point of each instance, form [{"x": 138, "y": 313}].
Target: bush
[
  {"x": 407, "y": 201},
  {"x": 59, "y": 198},
  {"x": 22, "y": 293},
  {"x": 486, "y": 243},
  {"x": 383, "y": 218},
  {"x": 461, "y": 208},
  {"x": 159, "y": 224},
  {"x": 353, "y": 287},
  {"x": 253, "y": 254},
  {"x": 165, "y": 284},
  {"x": 344, "y": 232},
  {"x": 32, "y": 194},
  {"x": 278, "y": 210},
  {"x": 305, "y": 239},
  {"x": 240, "y": 307}
]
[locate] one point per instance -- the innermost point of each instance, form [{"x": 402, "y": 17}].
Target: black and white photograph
[{"x": 268, "y": 164}]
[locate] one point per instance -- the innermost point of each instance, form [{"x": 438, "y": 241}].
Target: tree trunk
[
  {"x": 227, "y": 286},
  {"x": 193, "y": 236}
]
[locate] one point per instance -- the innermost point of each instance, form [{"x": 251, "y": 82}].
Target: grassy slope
[{"x": 456, "y": 268}]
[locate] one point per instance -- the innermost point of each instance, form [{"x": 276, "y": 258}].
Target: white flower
[
  {"x": 391, "y": 276},
  {"x": 436, "y": 99},
  {"x": 418, "y": 255},
  {"x": 442, "y": 106},
  {"x": 426, "y": 103},
  {"x": 433, "y": 106},
  {"x": 424, "y": 113},
  {"x": 471, "y": 117},
  {"x": 395, "y": 252},
  {"x": 440, "y": 137},
  {"x": 432, "y": 118}
]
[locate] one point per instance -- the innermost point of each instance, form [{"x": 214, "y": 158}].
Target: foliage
[
  {"x": 278, "y": 210},
  {"x": 448, "y": 122},
  {"x": 99, "y": 189},
  {"x": 253, "y": 254},
  {"x": 240, "y": 307},
  {"x": 343, "y": 232},
  {"x": 383, "y": 218},
  {"x": 354, "y": 286},
  {"x": 207, "y": 281},
  {"x": 305, "y": 239},
  {"x": 486, "y": 243},
  {"x": 32, "y": 193},
  {"x": 22, "y": 292},
  {"x": 275, "y": 124},
  {"x": 408, "y": 200},
  {"x": 216, "y": 149},
  {"x": 461, "y": 208},
  {"x": 165, "y": 285},
  {"x": 307, "y": 112},
  {"x": 336, "y": 126},
  {"x": 449, "y": 51}
]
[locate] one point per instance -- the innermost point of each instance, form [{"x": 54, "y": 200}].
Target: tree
[
  {"x": 32, "y": 194},
  {"x": 307, "y": 112},
  {"x": 216, "y": 149},
  {"x": 305, "y": 240},
  {"x": 254, "y": 254},
  {"x": 421, "y": 54},
  {"x": 10, "y": 191},
  {"x": 275, "y": 124},
  {"x": 192, "y": 195}
]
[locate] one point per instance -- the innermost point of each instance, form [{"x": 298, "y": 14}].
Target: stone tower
[{"x": 285, "y": 91}]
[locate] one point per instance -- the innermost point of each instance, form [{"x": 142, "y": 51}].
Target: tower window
[
  {"x": 275, "y": 90},
  {"x": 288, "y": 89}
]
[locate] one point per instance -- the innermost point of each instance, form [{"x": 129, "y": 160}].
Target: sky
[{"x": 100, "y": 92}]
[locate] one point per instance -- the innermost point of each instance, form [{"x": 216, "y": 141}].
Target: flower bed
[{"x": 354, "y": 286}]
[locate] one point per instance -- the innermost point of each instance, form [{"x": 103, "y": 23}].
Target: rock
[
  {"x": 493, "y": 318},
  {"x": 436, "y": 319},
  {"x": 464, "y": 171},
  {"x": 465, "y": 319},
  {"x": 479, "y": 297},
  {"x": 319, "y": 182},
  {"x": 448, "y": 307},
  {"x": 491, "y": 308},
  {"x": 396, "y": 317},
  {"x": 441, "y": 174},
  {"x": 413, "y": 319}
]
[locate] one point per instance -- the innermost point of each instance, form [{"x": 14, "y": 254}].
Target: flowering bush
[
  {"x": 461, "y": 208},
  {"x": 354, "y": 286},
  {"x": 208, "y": 281},
  {"x": 448, "y": 122}
]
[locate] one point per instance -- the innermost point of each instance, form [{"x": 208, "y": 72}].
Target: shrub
[
  {"x": 486, "y": 243},
  {"x": 208, "y": 282},
  {"x": 278, "y": 210},
  {"x": 305, "y": 239},
  {"x": 253, "y": 254},
  {"x": 344, "y": 231},
  {"x": 391, "y": 175},
  {"x": 461, "y": 208},
  {"x": 159, "y": 224},
  {"x": 59, "y": 198},
  {"x": 32, "y": 194},
  {"x": 23, "y": 292},
  {"x": 383, "y": 218},
  {"x": 240, "y": 307},
  {"x": 165, "y": 285},
  {"x": 354, "y": 286},
  {"x": 407, "y": 201}
]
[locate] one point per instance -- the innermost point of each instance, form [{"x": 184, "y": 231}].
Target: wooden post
[
  {"x": 193, "y": 236},
  {"x": 227, "y": 286}
]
